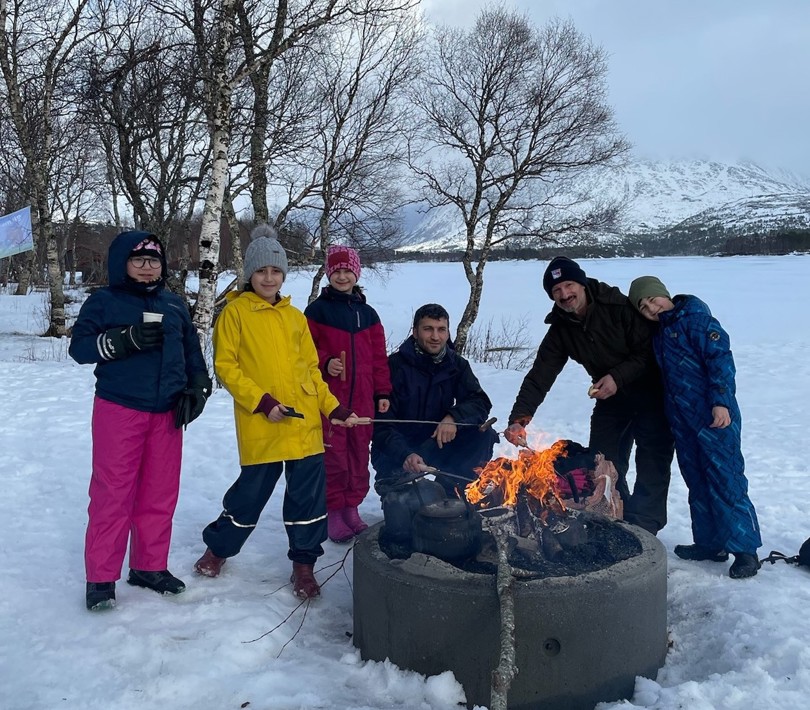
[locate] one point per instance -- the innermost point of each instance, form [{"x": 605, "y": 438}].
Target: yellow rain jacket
[{"x": 262, "y": 348}]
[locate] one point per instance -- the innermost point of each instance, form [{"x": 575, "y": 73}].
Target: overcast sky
[{"x": 722, "y": 79}]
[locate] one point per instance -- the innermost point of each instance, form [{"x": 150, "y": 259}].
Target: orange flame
[{"x": 532, "y": 471}]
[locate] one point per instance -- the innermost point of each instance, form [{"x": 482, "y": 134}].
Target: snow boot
[
  {"x": 100, "y": 595},
  {"x": 745, "y": 565},
  {"x": 163, "y": 582},
  {"x": 353, "y": 520},
  {"x": 336, "y": 528},
  {"x": 209, "y": 565},
  {"x": 698, "y": 553},
  {"x": 303, "y": 580}
]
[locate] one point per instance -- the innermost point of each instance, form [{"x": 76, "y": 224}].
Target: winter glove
[
  {"x": 192, "y": 399},
  {"x": 118, "y": 343}
]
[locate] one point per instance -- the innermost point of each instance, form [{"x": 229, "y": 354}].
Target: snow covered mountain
[{"x": 657, "y": 197}]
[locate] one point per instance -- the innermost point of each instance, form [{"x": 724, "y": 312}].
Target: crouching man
[{"x": 430, "y": 382}]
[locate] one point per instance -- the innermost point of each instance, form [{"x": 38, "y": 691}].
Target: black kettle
[
  {"x": 400, "y": 505},
  {"x": 449, "y": 529}
]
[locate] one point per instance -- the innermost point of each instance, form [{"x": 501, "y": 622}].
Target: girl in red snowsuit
[{"x": 351, "y": 353}]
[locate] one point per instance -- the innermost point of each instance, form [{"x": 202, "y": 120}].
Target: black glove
[
  {"x": 192, "y": 400},
  {"x": 123, "y": 342}
]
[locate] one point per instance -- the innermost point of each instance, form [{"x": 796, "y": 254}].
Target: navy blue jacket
[
  {"x": 152, "y": 380},
  {"x": 425, "y": 390}
]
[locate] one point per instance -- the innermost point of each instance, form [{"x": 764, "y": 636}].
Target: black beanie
[{"x": 560, "y": 269}]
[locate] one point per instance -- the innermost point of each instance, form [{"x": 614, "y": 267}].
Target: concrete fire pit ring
[{"x": 579, "y": 640}]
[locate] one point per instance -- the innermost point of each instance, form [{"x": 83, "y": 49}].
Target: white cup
[{"x": 152, "y": 317}]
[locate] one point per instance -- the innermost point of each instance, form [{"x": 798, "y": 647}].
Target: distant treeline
[{"x": 694, "y": 242}]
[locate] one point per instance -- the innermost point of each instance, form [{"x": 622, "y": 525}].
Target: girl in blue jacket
[
  {"x": 151, "y": 380},
  {"x": 693, "y": 352}
]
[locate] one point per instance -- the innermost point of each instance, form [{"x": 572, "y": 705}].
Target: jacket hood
[{"x": 119, "y": 252}]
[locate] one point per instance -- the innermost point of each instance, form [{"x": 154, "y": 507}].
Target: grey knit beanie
[
  {"x": 264, "y": 250},
  {"x": 646, "y": 287}
]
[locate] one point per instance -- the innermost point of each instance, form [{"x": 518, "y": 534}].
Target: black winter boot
[
  {"x": 100, "y": 595},
  {"x": 698, "y": 553},
  {"x": 163, "y": 582},
  {"x": 745, "y": 565}
]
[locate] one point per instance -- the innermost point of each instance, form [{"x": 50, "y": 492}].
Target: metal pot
[
  {"x": 448, "y": 529},
  {"x": 400, "y": 506}
]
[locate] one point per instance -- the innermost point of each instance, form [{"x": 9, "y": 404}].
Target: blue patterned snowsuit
[{"x": 694, "y": 354}]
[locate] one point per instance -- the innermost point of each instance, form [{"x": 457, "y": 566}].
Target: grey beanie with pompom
[{"x": 264, "y": 250}]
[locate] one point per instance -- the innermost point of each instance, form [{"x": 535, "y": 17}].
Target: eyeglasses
[{"x": 140, "y": 261}]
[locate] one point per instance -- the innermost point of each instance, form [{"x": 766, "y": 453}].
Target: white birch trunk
[
  {"x": 209, "y": 234},
  {"x": 220, "y": 113}
]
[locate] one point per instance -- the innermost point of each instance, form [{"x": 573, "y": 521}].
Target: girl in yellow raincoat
[{"x": 264, "y": 356}]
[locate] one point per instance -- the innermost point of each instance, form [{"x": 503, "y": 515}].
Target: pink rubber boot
[
  {"x": 353, "y": 520},
  {"x": 336, "y": 528}
]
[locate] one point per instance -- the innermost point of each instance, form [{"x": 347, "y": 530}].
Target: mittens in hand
[
  {"x": 118, "y": 343},
  {"x": 192, "y": 399}
]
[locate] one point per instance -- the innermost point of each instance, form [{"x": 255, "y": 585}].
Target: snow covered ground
[{"x": 735, "y": 644}]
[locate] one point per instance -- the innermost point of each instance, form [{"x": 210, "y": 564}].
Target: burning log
[
  {"x": 549, "y": 484},
  {"x": 532, "y": 471},
  {"x": 528, "y": 485}
]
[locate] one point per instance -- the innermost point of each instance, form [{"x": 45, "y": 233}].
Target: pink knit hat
[{"x": 340, "y": 257}]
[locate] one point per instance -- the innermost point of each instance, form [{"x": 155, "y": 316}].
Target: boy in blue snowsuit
[{"x": 693, "y": 352}]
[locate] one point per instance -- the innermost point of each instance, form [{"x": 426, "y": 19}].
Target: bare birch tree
[
  {"x": 77, "y": 190},
  {"x": 143, "y": 99},
  {"x": 286, "y": 25},
  {"x": 278, "y": 26},
  {"x": 346, "y": 180},
  {"x": 38, "y": 42},
  {"x": 512, "y": 114}
]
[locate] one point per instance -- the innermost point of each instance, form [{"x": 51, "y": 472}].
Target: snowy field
[{"x": 734, "y": 644}]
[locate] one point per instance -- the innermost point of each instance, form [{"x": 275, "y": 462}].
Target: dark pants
[
  {"x": 304, "y": 510},
  {"x": 470, "y": 450},
  {"x": 637, "y": 416}
]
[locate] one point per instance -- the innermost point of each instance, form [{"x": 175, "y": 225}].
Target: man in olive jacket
[{"x": 595, "y": 325}]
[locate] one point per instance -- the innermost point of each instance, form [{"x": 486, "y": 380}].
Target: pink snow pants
[{"x": 133, "y": 490}]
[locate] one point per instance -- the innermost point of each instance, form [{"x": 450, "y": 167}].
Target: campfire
[
  {"x": 545, "y": 493},
  {"x": 540, "y": 504},
  {"x": 513, "y": 584},
  {"x": 502, "y": 480}
]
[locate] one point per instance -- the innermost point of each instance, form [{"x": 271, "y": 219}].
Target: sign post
[{"x": 15, "y": 233}]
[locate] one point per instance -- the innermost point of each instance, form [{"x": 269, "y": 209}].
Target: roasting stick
[
  {"x": 439, "y": 472},
  {"x": 481, "y": 427},
  {"x": 522, "y": 443},
  {"x": 343, "y": 365}
]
